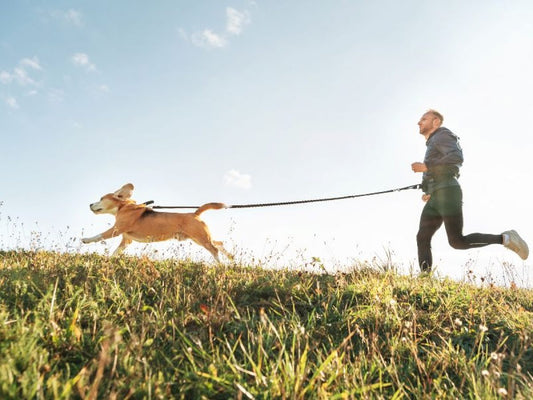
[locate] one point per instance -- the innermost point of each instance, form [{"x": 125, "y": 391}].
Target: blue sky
[{"x": 255, "y": 101}]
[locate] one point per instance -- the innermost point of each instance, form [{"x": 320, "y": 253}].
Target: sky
[{"x": 241, "y": 101}]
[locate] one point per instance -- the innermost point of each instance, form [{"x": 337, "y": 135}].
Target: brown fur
[{"x": 140, "y": 223}]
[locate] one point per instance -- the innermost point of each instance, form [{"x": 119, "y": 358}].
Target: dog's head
[{"x": 111, "y": 202}]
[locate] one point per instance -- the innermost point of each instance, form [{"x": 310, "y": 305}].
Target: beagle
[{"x": 140, "y": 223}]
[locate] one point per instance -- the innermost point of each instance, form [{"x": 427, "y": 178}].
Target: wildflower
[
  {"x": 483, "y": 328},
  {"x": 204, "y": 308},
  {"x": 458, "y": 322},
  {"x": 494, "y": 356},
  {"x": 485, "y": 373},
  {"x": 392, "y": 303},
  {"x": 502, "y": 392},
  {"x": 408, "y": 324}
]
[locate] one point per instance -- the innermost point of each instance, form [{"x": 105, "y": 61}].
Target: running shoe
[{"x": 514, "y": 242}]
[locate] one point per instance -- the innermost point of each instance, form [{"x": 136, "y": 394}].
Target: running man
[{"x": 444, "y": 197}]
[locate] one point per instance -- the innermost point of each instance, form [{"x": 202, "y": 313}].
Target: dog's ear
[{"x": 124, "y": 192}]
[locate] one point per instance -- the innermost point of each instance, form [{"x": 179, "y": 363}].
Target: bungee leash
[{"x": 287, "y": 203}]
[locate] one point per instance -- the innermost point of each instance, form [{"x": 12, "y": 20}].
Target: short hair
[{"x": 436, "y": 114}]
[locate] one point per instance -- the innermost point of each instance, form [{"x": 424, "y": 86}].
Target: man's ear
[{"x": 124, "y": 192}]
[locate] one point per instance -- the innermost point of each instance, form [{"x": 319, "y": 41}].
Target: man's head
[{"x": 430, "y": 122}]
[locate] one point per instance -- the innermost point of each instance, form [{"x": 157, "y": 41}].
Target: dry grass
[{"x": 87, "y": 326}]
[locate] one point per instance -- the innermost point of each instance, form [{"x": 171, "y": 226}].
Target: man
[{"x": 444, "y": 198}]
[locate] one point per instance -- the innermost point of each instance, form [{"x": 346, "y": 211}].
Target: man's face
[{"x": 428, "y": 124}]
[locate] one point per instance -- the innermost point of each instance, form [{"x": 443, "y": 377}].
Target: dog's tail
[{"x": 210, "y": 206}]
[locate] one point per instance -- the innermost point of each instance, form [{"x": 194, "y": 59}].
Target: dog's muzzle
[{"x": 94, "y": 208}]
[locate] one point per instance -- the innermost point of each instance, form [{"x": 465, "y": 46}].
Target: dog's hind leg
[
  {"x": 219, "y": 245},
  {"x": 123, "y": 244},
  {"x": 206, "y": 243},
  {"x": 213, "y": 250}
]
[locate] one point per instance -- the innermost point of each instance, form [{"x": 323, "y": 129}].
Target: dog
[{"x": 140, "y": 223}]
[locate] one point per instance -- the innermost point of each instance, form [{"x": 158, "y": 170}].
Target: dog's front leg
[
  {"x": 112, "y": 232},
  {"x": 93, "y": 239}
]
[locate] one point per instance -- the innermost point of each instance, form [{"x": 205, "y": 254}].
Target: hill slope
[{"x": 84, "y": 326}]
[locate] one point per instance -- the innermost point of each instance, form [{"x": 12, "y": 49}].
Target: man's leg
[
  {"x": 454, "y": 228},
  {"x": 451, "y": 207},
  {"x": 430, "y": 221}
]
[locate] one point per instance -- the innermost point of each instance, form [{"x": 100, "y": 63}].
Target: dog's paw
[{"x": 92, "y": 239}]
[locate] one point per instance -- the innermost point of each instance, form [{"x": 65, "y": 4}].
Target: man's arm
[
  {"x": 421, "y": 167},
  {"x": 447, "y": 145}
]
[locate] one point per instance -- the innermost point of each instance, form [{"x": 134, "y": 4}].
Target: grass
[{"x": 87, "y": 326}]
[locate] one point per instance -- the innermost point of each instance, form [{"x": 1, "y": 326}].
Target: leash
[{"x": 287, "y": 203}]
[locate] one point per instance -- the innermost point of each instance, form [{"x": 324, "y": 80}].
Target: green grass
[{"x": 86, "y": 326}]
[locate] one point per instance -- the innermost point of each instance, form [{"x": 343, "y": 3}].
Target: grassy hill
[{"x": 85, "y": 326}]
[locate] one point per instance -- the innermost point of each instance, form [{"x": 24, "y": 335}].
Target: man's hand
[
  {"x": 419, "y": 167},
  {"x": 426, "y": 197}
]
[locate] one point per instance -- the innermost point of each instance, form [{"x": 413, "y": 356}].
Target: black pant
[{"x": 446, "y": 205}]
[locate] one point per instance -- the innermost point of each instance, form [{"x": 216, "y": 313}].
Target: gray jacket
[{"x": 443, "y": 159}]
